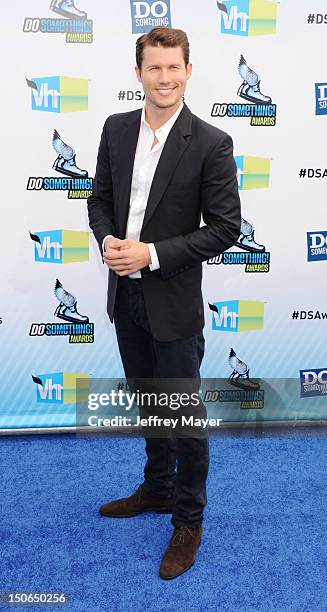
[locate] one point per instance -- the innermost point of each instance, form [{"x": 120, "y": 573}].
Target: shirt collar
[{"x": 162, "y": 133}]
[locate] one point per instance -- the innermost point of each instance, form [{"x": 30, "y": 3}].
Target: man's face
[{"x": 163, "y": 75}]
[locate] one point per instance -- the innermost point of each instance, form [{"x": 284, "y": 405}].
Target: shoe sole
[
  {"x": 70, "y": 319},
  {"x": 254, "y": 100},
  {"x": 71, "y": 174},
  {"x": 249, "y": 249},
  {"x": 255, "y": 386},
  {"x": 176, "y": 575},
  {"x": 156, "y": 510},
  {"x": 180, "y": 573}
]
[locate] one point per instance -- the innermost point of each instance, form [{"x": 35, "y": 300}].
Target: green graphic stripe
[
  {"x": 250, "y": 323},
  {"x": 260, "y": 27},
  {"x": 73, "y": 103},
  {"x": 255, "y": 181},
  {"x": 70, "y": 396},
  {"x": 75, "y": 254}
]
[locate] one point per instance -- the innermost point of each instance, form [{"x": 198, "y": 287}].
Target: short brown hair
[{"x": 166, "y": 37}]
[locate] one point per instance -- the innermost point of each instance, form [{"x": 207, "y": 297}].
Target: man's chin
[{"x": 166, "y": 103}]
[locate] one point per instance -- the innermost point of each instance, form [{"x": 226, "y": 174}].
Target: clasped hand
[{"x": 126, "y": 256}]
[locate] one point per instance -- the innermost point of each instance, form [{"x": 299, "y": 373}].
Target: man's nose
[{"x": 164, "y": 77}]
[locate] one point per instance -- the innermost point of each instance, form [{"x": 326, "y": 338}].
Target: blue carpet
[{"x": 264, "y": 543}]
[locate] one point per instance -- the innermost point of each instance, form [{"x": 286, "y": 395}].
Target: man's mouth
[{"x": 165, "y": 91}]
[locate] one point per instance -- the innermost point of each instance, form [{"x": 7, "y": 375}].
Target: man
[{"x": 158, "y": 169}]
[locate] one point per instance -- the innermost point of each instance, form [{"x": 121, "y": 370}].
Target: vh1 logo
[
  {"x": 58, "y": 94},
  {"x": 59, "y": 387},
  {"x": 237, "y": 315},
  {"x": 248, "y": 17},
  {"x": 61, "y": 246}
]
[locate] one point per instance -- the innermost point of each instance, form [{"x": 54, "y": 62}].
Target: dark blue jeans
[{"x": 175, "y": 466}]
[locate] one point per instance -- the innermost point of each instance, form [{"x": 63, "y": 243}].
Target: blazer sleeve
[
  {"x": 101, "y": 203},
  {"x": 221, "y": 212}
]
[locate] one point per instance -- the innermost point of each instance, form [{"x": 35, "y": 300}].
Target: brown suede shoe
[
  {"x": 138, "y": 502},
  {"x": 181, "y": 552}
]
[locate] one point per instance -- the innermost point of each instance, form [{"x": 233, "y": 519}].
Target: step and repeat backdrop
[{"x": 259, "y": 73}]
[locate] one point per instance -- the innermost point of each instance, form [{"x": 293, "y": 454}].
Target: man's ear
[
  {"x": 188, "y": 70},
  {"x": 138, "y": 74}
]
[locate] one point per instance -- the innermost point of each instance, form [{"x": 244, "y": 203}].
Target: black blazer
[{"x": 196, "y": 174}]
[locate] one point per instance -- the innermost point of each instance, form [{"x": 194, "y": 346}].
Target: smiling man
[{"x": 158, "y": 170}]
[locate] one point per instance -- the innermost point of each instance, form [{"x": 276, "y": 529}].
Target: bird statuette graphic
[
  {"x": 246, "y": 238},
  {"x": 240, "y": 374},
  {"x": 65, "y": 162},
  {"x": 67, "y": 308},
  {"x": 250, "y": 88}
]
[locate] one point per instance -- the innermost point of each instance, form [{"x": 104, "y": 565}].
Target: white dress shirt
[{"x": 145, "y": 163}]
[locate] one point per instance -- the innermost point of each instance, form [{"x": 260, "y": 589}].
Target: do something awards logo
[
  {"x": 260, "y": 110},
  {"x": 317, "y": 245},
  {"x": 76, "y": 25},
  {"x": 77, "y": 184},
  {"x": 313, "y": 382},
  {"x": 255, "y": 258},
  {"x": 149, "y": 14},
  {"x": 321, "y": 98},
  {"x": 77, "y": 327},
  {"x": 247, "y": 392}
]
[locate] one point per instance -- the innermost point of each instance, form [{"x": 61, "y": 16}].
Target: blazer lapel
[
  {"x": 173, "y": 150},
  {"x": 125, "y": 163}
]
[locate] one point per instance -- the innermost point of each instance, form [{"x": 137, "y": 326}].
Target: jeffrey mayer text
[
  {"x": 185, "y": 422},
  {"x": 152, "y": 421}
]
